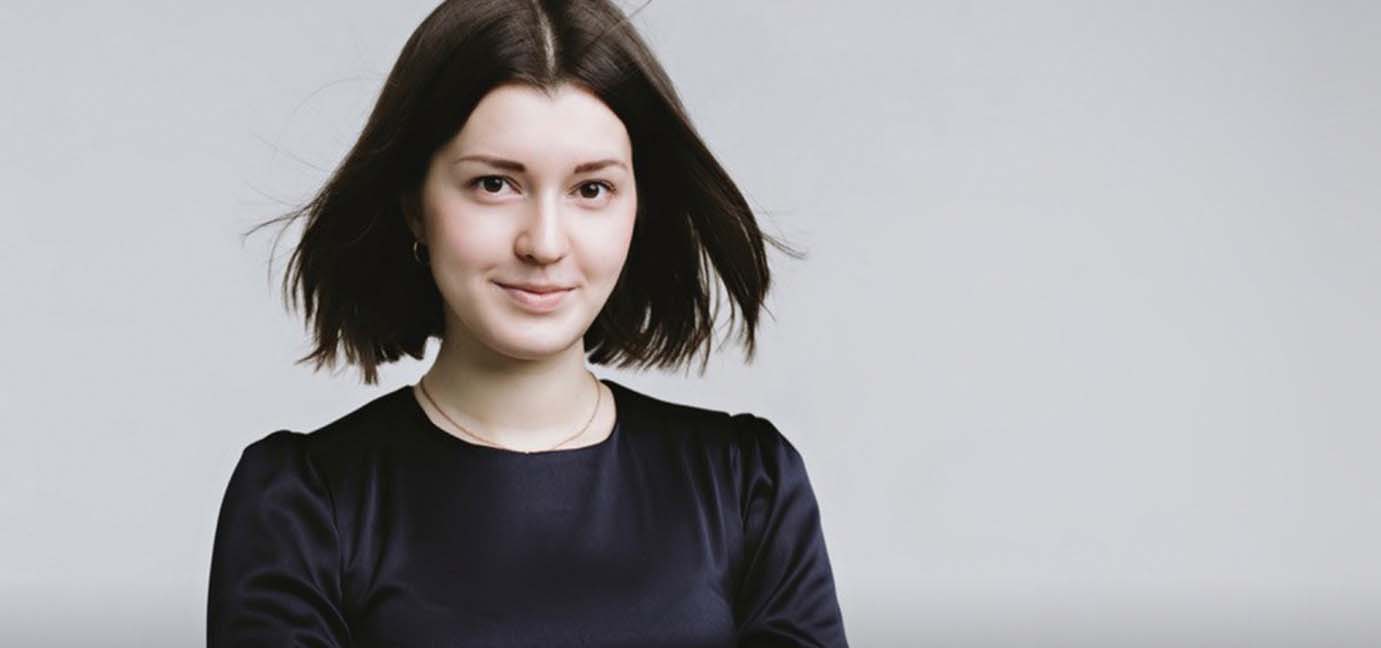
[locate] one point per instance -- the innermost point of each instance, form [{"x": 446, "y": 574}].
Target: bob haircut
[{"x": 364, "y": 293}]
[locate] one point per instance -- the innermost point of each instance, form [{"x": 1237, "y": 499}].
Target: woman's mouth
[{"x": 537, "y": 302}]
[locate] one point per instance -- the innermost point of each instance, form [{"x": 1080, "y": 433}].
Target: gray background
[{"x": 1085, "y": 352}]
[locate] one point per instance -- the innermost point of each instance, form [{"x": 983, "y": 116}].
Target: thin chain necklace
[{"x": 599, "y": 398}]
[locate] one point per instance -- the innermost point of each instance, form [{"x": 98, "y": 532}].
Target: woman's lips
[{"x": 535, "y": 302}]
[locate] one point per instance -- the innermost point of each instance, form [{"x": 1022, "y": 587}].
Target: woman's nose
[{"x": 542, "y": 238}]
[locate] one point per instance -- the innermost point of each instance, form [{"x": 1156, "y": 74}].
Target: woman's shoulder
[
  {"x": 359, "y": 431},
  {"x": 737, "y": 431}
]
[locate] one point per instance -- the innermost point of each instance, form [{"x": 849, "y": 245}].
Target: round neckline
[{"x": 420, "y": 415}]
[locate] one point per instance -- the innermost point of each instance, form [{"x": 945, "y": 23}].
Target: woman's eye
[
  {"x": 488, "y": 183},
  {"x": 585, "y": 189}
]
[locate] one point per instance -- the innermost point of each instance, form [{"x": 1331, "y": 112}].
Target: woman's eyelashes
[{"x": 492, "y": 185}]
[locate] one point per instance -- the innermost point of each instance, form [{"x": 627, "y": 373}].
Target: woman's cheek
[{"x": 474, "y": 240}]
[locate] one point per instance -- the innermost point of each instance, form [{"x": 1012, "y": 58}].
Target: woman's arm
[
  {"x": 786, "y": 596},
  {"x": 275, "y": 565}
]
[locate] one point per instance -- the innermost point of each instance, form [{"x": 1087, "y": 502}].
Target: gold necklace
[{"x": 599, "y": 398}]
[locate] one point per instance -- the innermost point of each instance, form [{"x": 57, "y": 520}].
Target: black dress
[{"x": 684, "y": 527}]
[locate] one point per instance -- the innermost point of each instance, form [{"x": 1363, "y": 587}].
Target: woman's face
[{"x": 532, "y": 191}]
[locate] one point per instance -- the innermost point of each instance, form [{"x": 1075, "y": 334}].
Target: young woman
[{"x": 529, "y": 190}]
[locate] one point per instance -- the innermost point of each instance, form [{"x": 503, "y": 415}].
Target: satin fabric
[{"x": 684, "y": 527}]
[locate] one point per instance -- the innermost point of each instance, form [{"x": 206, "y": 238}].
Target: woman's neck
[{"x": 517, "y": 403}]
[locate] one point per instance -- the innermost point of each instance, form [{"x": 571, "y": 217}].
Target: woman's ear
[{"x": 412, "y": 215}]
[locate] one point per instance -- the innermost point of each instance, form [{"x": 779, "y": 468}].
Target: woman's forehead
[{"x": 522, "y": 123}]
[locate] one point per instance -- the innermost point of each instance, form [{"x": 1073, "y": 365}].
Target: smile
[{"x": 543, "y": 302}]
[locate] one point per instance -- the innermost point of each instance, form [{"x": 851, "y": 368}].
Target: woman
[{"x": 529, "y": 190}]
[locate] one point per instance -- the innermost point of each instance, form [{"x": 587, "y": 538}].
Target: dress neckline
[{"x": 419, "y": 414}]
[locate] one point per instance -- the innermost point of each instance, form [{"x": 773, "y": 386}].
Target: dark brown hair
[{"x": 365, "y": 295}]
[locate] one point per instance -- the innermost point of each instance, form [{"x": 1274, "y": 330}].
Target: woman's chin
[{"x": 534, "y": 345}]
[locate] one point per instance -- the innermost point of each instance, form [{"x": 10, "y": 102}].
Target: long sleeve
[
  {"x": 786, "y": 596},
  {"x": 275, "y": 564}
]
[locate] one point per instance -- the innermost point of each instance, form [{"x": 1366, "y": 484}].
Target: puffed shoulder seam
[{"x": 293, "y": 445}]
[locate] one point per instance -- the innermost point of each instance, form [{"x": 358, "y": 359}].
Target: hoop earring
[{"x": 415, "y": 245}]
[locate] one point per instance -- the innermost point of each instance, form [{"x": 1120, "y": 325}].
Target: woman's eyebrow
[{"x": 518, "y": 167}]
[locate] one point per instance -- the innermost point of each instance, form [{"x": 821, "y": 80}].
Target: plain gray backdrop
[{"x": 1084, "y": 353}]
